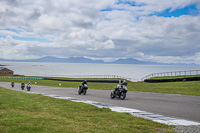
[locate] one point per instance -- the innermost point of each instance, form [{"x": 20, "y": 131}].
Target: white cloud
[
  {"x": 197, "y": 57},
  {"x": 80, "y": 28},
  {"x": 11, "y": 49}
]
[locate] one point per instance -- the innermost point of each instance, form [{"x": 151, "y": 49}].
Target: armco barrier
[
  {"x": 172, "y": 74},
  {"x": 172, "y": 80},
  {"x": 71, "y": 80},
  {"x": 21, "y": 78}
]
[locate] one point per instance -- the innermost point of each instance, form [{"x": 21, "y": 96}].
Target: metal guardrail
[
  {"x": 21, "y": 78},
  {"x": 171, "y": 74},
  {"x": 78, "y": 80},
  {"x": 68, "y": 76},
  {"x": 75, "y": 76},
  {"x": 80, "y": 76},
  {"x": 93, "y": 77}
]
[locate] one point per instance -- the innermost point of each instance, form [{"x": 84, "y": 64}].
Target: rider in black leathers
[
  {"x": 22, "y": 85},
  {"x": 124, "y": 83},
  {"x": 120, "y": 86},
  {"x": 84, "y": 82},
  {"x": 83, "y": 88},
  {"x": 12, "y": 84}
]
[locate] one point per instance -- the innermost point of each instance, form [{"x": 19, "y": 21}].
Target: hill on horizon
[{"x": 87, "y": 60}]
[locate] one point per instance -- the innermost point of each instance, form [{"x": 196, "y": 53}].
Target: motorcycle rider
[
  {"x": 117, "y": 89},
  {"x": 83, "y": 88},
  {"x": 124, "y": 83},
  {"x": 22, "y": 85},
  {"x": 12, "y": 84},
  {"x": 29, "y": 85},
  {"x": 84, "y": 82},
  {"x": 120, "y": 91}
]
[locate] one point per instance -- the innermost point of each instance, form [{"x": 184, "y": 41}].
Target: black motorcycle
[
  {"x": 22, "y": 86},
  {"x": 12, "y": 84},
  {"x": 120, "y": 92},
  {"x": 82, "y": 89}
]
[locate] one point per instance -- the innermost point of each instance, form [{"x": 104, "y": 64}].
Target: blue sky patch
[
  {"x": 120, "y": 2},
  {"x": 31, "y": 39},
  {"x": 131, "y": 3},
  {"x": 2, "y": 36},
  {"x": 13, "y": 30},
  {"x": 105, "y": 10},
  {"x": 189, "y": 10}
]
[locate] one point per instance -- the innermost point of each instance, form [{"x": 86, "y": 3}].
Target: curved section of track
[{"x": 170, "y": 105}]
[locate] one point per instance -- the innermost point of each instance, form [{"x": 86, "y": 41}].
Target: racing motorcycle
[
  {"x": 28, "y": 87},
  {"x": 22, "y": 86},
  {"x": 120, "y": 91},
  {"x": 82, "y": 89},
  {"x": 12, "y": 84}
]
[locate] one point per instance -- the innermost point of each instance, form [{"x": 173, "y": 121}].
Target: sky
[{"x": 166, "y": 31}]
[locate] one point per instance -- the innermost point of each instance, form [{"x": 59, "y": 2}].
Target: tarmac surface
[{"x": 185, "y": 107}]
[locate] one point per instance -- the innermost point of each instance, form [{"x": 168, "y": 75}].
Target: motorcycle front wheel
[
  {"x": 84, "y": 91},
  {"x": 112, "y": 96},
  {"x": 123, "y": 95},
  {"x": 79, "y": 91}
]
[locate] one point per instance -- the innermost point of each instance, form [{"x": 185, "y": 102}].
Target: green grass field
[
  {"x": 21, "y": 112},
  {"x": 186, "y": 88}
]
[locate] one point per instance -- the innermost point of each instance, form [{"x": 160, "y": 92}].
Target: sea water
[{"x": 129, "y": 71}]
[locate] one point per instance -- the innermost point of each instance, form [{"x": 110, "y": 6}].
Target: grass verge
[
  {"x": 186, "y": 88},
  {"x": 22, "y": 112},
  {"x": 175, "y": 77}
]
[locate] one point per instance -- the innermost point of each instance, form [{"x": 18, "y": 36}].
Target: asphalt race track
[{"x": 171, "y": 105}]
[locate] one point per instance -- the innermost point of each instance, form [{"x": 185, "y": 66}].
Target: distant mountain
[
  {"x": 46, "y": 59},
  {"x": 131, "y": 61},
  {"x": 86, "y": 60},
  {"x": 83, "y": 60},
  {"x": 64, "y": 60}
]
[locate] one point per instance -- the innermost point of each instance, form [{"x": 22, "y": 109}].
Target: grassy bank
[
  {"x": 22, "y": 112},
  {"x": 186, "y": 88},
  {"x": 175, "y": 77}
]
